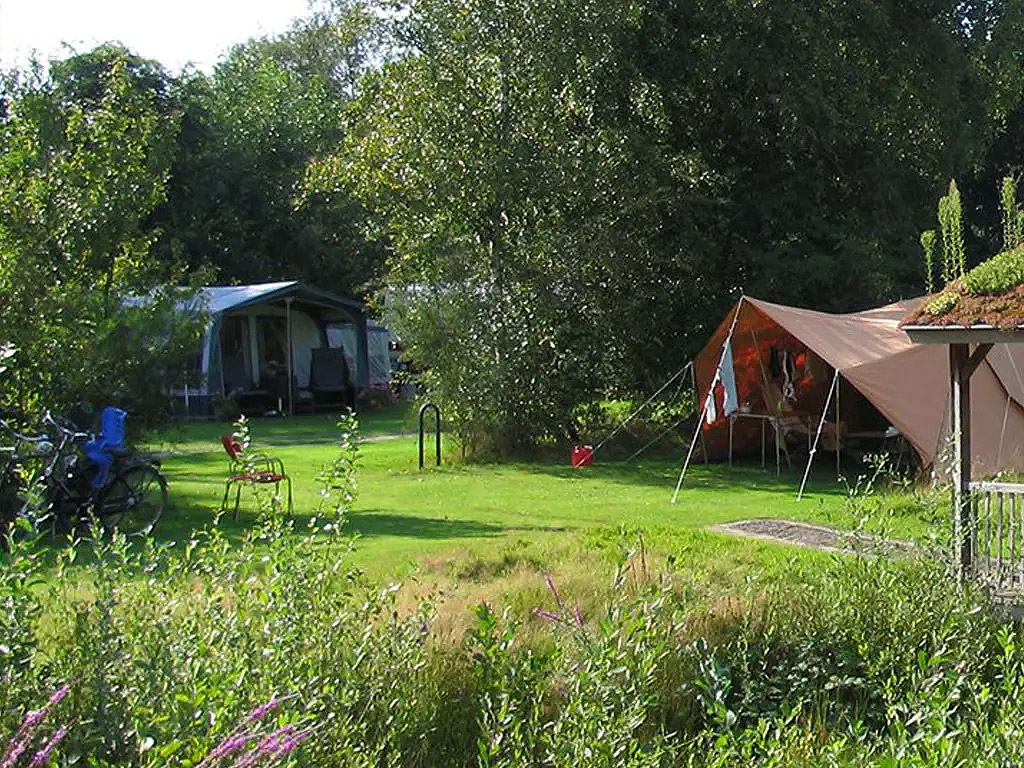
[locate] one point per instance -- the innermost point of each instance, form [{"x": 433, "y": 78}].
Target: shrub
[
  {"x": 176, "y": 654},
  {"x": 376, "y": 397},
  {"x": 997, "y": 275},
  {"x": 942, "y": 303}
]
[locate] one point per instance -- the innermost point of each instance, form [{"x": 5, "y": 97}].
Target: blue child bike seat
[{"x": 102, "y": 450}]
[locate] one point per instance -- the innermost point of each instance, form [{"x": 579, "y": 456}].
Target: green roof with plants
[{"x": 990, "y": 294}]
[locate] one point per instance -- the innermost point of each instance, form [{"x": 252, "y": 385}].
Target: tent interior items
[
  {"x": 259, "y": 347},
  {"x": 847, "y": 383}
]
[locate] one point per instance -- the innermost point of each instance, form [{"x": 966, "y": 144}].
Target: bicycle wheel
[{"x": 134, "y": 501}]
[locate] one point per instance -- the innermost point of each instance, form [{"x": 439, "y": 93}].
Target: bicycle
[{"x": 83, "y": 477}]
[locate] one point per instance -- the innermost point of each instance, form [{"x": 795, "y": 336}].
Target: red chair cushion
[{"x": 232, "y": 446}]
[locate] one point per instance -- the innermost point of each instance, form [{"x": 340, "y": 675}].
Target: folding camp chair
[{"x": 252, "y": 470}]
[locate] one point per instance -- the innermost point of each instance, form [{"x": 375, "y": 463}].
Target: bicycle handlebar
[
  {"x": 63, "y": 428},
  {"x": 57, "y": 422},
  {"x": 20, "y": 435}
]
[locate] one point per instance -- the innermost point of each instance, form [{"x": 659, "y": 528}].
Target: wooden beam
[
  {"x": 979, "y": 354},
  {"x": 960, "y": 422},
  {"x": 953, "y": 334}
]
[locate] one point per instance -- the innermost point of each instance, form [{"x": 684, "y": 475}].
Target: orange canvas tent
[{"x": 785, "y": 360}]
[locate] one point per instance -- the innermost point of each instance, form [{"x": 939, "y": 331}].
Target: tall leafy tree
[
  {"x": 79, "y": 174},
  {"x": 575, "y": 192},
  {"x": 248, "y": 133}
]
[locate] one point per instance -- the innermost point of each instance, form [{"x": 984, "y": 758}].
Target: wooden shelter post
[
  {"x": 963, "y": 363},
  {"x": 960, "y": 422}
]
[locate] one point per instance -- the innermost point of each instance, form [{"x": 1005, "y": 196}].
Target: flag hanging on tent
[{"x": 726, "y": 377}]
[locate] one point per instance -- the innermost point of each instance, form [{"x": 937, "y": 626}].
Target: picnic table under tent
[
  {"x": 258, "y": 346},
  {"x": 799, "y": 378}
]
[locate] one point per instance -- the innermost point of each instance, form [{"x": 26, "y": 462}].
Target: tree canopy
[{"x": 558, "y": 200}]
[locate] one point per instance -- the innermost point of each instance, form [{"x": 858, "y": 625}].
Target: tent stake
[{"x": 817, "y": 436}]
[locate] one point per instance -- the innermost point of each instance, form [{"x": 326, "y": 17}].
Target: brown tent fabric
[{"x": 884, "y": 380}]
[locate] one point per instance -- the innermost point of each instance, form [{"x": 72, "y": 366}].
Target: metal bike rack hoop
[{"x": 437, "y": 436}]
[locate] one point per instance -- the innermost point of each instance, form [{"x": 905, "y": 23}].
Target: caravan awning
[{"x": 224, "y": 298}]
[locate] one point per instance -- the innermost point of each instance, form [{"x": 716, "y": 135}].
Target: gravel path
[{"x": 813, "y": 536}]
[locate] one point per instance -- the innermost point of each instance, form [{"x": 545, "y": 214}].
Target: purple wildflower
[
  {"x": 19, "y": 743},
  {"x": 267, "y": 747},
  {"x": 262, "y": 711},
  {"x": 554, "y": 591},
  {"x": 42, "y": 757},
  {"x": 232, "y": 744},
  {"x": 547, "y": 614},
  {"x": 290, "y": 744}
]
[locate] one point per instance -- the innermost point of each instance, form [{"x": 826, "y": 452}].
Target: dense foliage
[
  {"x": 575, "y": 193},
  {"x": 568, "y": 195},
  {"x": 80, "y": 173}
]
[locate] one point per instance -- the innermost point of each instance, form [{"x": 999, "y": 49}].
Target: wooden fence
[{"x": 997, "y": 534}]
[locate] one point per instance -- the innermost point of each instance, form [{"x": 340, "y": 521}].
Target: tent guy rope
[{"x": 647, "y": 402}]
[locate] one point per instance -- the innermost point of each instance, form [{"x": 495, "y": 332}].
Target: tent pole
[
  {"x": 731, "y": 422},
  {"x": 778, "y": 445},
  {"x": 689, "y": 454},
  {"x": 693, "y": 386},
  {"x": 817, "y": 436},
  {"x": 188, "y": 410},
  {"x": 839, "y": 387},
  {"x": 288, "y": 325},
  {"x": 1002, "y": 433},
  {"x": 704, "y": 409},
  {"x": 220, "y": 354}
]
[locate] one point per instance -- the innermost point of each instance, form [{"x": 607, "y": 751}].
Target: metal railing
[{"x": 997, "y": 535}]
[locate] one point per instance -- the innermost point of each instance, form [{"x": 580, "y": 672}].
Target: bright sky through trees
[{"x": 197, "y": 31}]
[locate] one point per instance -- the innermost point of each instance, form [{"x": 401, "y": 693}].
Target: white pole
[
  {"x": 839, "y": 470},
  {"x": 704, "y": 409},
  {"x": 288, "y": 326},
  {"x": 693, "y": 386},
  {"x": 1002, "y": 434},
  {"x": 817, "y": 436},
  {"x": 188, "y": 409},
  {"x": 693, "y": 442}
]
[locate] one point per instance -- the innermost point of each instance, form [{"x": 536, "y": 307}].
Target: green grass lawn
[{"x": 463, "y": 512}]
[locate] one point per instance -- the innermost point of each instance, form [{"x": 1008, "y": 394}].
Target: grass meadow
[{"x": 405, "y": 518}]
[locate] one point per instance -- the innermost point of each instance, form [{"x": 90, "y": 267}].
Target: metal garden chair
[{"x": 246, "y": 468}]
